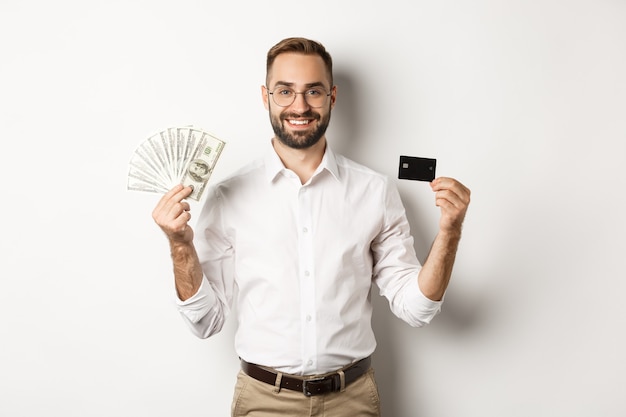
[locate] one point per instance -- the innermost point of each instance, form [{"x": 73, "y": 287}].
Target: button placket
[{"x": 307, "y": 283}]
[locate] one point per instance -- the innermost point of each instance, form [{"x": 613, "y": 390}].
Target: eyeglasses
[{"x": 285, "y": 96}]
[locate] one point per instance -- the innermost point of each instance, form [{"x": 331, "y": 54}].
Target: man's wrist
[{"x": 451, "y": 234}]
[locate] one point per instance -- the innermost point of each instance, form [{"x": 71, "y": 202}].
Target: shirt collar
[{"x": 274, "y": 166}]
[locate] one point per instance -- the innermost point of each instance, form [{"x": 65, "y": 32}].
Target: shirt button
[
  {"x": 308, "y": 317},
  {"x": 304, "y": 230},
  {"x": 307, "y": 273},
  {"x": 309, "y": 362}
]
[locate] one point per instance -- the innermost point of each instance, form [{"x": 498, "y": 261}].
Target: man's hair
[{"x": 300, "y": 46}]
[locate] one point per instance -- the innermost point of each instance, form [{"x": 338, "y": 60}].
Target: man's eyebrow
[
  {"x": 315, "y": 84},
  {"x": 308, "y": 85}
]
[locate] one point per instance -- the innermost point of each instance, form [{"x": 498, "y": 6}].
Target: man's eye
[
  {"x": 284, "y": 92},
  {"x": 314, "y": 92}
]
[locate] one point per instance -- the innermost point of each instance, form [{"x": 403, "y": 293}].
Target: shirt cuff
[
  {"x": 198, "y": 305},
  {"x": 421, "y": 307}
]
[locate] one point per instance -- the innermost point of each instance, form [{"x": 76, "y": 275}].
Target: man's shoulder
[
  {"x": 350, "y": 167},
  {"x": 249, "y": 171}
]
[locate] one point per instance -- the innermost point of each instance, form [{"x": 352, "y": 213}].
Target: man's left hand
[{"x": 453, "y": 198}]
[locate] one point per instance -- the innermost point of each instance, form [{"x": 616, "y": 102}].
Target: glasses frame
[{"x": 295, "y": 94}]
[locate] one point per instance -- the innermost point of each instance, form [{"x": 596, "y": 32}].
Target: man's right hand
[{"x": 172, "y": 215}]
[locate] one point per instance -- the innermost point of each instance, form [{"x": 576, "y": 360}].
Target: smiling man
[
  {"x": 296, "y": 239},
  {"x": 307, "y": 118}
]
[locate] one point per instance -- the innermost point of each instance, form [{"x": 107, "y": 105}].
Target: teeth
[{"x": 299, "y": 122}]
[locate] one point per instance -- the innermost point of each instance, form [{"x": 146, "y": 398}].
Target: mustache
[{"x": 308, "y": 114}]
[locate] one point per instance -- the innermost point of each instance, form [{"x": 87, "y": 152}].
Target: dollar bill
[
  {"x": 176, "y": 155},
  {"x": 201, "y": 164}
]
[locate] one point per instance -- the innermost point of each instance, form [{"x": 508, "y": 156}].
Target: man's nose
[{"x": 300, "y": 104}]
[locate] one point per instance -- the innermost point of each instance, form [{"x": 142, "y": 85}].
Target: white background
[{"x": 523, "y": 101}]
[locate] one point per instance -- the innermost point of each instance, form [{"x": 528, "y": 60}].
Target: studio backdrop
[{"x": 522, "y": 101}]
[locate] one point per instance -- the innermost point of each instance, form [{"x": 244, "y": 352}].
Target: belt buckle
[{"x": 314, "y": 386}]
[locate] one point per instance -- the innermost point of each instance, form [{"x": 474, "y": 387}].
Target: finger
[
  {"x": 174, "y": 221},
  {"x": 167, "y": 197},
  {"x": 180, "y": 192},
  {"x": 449, "y": 198},
  {"x": 171, "y": 204},
  {"x": 444, "y": 183},
  {"x": 175, "y": 195},
  {"x": 176, "y": 210},
  {"x": 180, "y": 222}
]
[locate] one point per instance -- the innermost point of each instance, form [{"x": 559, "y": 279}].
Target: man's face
[{"x": 299, "y": 125}]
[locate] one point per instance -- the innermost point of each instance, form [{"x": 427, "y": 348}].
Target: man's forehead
[{"x": 298, "y": 69}]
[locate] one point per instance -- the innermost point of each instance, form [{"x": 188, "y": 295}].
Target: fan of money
[{"x": 176, "y": 155}]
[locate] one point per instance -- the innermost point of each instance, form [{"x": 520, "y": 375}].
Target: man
[{"x": 297, "y": 238}]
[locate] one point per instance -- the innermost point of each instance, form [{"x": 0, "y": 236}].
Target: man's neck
[{"x": 303, "y": 162}]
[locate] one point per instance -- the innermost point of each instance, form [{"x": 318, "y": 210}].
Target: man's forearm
[
  {"x": 435, "y": 274},
  {"x": 187, "y": 270}
]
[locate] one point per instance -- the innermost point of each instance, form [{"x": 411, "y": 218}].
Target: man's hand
[
  {"x": 453, "y": 198},
  {"x": 172, "y": 215}
]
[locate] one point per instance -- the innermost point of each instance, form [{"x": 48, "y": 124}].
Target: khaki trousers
[{"x": 254, "y": 398}]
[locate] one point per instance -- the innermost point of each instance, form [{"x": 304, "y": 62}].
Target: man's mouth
[{"x": 298, "y": 122}]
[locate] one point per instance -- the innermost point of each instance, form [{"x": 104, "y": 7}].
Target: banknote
[
  {"x": 176, "y": 155},
  {"x": 201, "y": 164}
]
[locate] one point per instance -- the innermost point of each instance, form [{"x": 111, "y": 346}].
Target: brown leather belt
[{"x": 309, "y": 386}]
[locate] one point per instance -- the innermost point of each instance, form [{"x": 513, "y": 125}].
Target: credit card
[{"x": 416, "y": 168}]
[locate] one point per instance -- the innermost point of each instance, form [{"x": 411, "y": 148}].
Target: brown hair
[{"x": 302, "y": 46}]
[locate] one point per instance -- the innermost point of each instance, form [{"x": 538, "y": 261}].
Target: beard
[{"x": 299, "y": 140}]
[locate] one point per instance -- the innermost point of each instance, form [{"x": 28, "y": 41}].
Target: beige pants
[{"x": 257, "y": 399}]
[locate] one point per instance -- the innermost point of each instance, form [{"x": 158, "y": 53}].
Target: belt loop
[
  {"x": 279, "y": 377},
  {"x": 342, "y": 378}
]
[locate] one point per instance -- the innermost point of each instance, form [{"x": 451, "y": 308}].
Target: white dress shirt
[{"x": 300, "y": 259}]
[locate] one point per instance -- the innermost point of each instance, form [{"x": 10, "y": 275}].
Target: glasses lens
[
  {"x": 285, "y": 96},
  {"x": 316, "y": 97}
]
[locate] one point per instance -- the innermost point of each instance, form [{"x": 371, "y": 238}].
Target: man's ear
[{"x": 265, "y": 95}]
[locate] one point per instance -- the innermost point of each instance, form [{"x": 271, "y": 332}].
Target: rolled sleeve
[
  {"x": 420, "y": 310},
  {"x": 197, "y": 306}
]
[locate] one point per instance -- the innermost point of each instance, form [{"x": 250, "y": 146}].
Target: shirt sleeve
[
  {"x": 421, "y": 309},
  {"x": 196, "y": 307},
  {"x": 206, "y": 311},
  {"x": 396, "y": 266}
]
